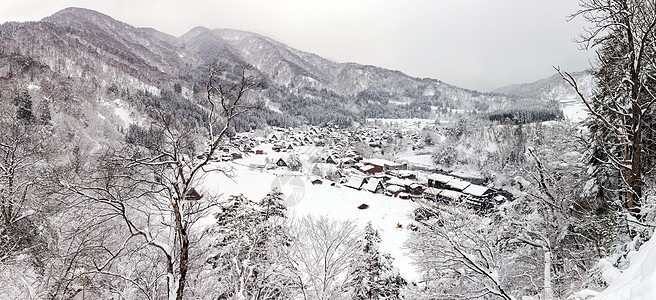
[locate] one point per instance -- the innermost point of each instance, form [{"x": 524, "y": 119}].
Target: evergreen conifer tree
[
  {"x": 373, "y": 276},
  {"x": 23, "y": 102}
]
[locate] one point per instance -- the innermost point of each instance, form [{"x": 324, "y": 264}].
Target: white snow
[
  {"x": 335, "y": 202},
  {"x": 637, "y": 282},
  {"x": 476, "y": 190},
  {"x": 440, "y": 178},
  {"x": 458, "y": 184},
  {"x": 575, "y": 112},
  {"x": 273, "y": 107},
  {"x": 406, "y": 123},
  {"x": 121, "y": 111},
  {"x": 422, "y": 160}
]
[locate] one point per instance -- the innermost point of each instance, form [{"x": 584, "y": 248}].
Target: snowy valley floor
[{"x": 335, "y": 202}]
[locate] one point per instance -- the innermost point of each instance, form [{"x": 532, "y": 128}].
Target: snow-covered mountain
[
  {"x": 99, "y": 52},
  {"x": 556, "y": 89}
]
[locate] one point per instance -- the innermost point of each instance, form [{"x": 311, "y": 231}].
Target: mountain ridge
[{"x": 92, "y": 46}]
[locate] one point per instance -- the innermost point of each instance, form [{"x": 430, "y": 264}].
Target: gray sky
[{"x": 477, "y": 44}]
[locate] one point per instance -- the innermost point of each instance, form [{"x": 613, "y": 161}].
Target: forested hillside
[{"x": 101, "y": 55}]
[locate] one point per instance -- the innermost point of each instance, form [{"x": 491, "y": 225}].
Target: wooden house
[
  {"x": 382, "y": 165},
  {"x": 193, "y": 195},
  {"x": 281, "y": 163},
  {"x": 330, "y": 160},
  {"x": 478, "y": 191},
  {"x": 458, "y": 184},
  {"x": 356, "y": 182},
  {"x": 439, "y": 180},
  {"x": 374, "y": 185},
  {"x": 416, "y": 189},
  {"x": 394, "y": 190},
  {"x": 367, "y": 169}
]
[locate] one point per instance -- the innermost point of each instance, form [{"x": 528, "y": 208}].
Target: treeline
[{"x": 526, "y": 115}]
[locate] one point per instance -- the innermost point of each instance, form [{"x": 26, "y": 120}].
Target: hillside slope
[
  {"x": 554, "y": 88},
  {"x": 101, "y": 53}
]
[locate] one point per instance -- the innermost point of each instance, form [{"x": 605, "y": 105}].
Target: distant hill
[
  {"x": 555, "y": 88},
  {"x": 97, "y": 58}
]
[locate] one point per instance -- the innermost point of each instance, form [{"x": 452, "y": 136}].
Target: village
[{"x": 353, "y": 159}]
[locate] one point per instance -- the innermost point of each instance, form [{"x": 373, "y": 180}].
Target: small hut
[{"x": 193, "y": 195}]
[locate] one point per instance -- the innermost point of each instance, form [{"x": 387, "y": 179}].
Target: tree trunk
[
  {"x": 184, "y": 251},
  {"x": 636, "y": 174},
  {"x": 548, "y": 288},
  {"x": 636, "y": 139}
]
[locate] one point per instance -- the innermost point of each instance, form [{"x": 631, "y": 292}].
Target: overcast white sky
[{"x": 477, "y": 44}]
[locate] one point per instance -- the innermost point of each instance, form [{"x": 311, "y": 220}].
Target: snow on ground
[
  {"x": 273, "y": 106},
  {"x": 407, "y": 123},
  {"x": 637, "y": 282},
  {"x": 121, "y": 110},
  {"x": 341, "y": 203},
  {"x": 574, "y": 111},
  {"x": 422, "y": 160},
  {"x": 335, "y": 202}
]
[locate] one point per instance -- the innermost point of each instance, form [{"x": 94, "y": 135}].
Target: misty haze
[{"x": 179, "y": 160}]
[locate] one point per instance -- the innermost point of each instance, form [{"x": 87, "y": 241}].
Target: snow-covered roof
[
  {"x": 476, "y": 190},
  {"x": 355, "y": 182},
  {"x": 432, "y": 191},
  {"x": 394, "y": 188},
  {"x": 380, "y": 162},
  {"x": 403, "y": 173},
  {"x": 399, "y": 181},
  {"x": 499, "y": 198},
  {"x": 371, "y": 185},
  {"x": 458, "y": 184},
  {"x": 366, "y": 168},
  {"x": 450, "y": 194},
  {"x": 440, "y": 178}
]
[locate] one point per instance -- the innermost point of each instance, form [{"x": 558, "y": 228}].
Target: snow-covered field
[
  {"x": 574, "y": 110},
  {"x": 335, "y": 202},
  {"x": 421, "y": 160},
  {"x": 404, "y": 123}
]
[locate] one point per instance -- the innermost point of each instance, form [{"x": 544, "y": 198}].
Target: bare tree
[
  {"x": 551, "y": 225},
  {"x": 320, "y": 257},
  {"x": 148, "y": 189},
  {"x": 624, "y": 31},
  {"x": 459, "y": 256},
  {"x": 26, "y": 156}
]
